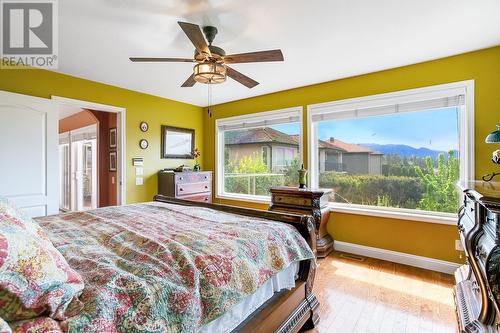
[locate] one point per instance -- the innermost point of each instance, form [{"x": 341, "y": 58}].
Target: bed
[{"x": 178, "y": 266}]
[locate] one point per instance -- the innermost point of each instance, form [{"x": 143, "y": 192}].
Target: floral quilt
[{"x": 157, "y": 267}]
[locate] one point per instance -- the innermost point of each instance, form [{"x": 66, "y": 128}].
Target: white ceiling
[{"x": 321, "y": 40}]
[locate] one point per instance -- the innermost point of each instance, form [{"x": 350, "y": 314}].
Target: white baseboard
[{"x": 398, "y": 257}]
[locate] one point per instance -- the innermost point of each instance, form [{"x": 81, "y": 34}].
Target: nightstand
[{"x": 308, "y": 202}]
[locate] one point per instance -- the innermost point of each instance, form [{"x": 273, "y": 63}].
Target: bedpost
[{"x": 308, "y": 273}]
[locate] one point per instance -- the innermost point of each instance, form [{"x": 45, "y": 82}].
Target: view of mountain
[{"x": 405, "y": 150}]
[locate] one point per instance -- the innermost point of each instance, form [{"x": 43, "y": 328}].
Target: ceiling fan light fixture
[{"x": 209, "y": 72}]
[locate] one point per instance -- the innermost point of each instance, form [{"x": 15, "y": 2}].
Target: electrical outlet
[{"x": 458, "y": 245}]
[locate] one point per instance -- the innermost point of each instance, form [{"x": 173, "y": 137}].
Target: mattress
[{"x": 238, "y": 313}]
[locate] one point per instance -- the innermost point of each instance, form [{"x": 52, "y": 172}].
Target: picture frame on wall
[
  {"x": 112, "y": 161},
  {"x": 177, "y": 142},
  {"x": 112, "y": 138}
]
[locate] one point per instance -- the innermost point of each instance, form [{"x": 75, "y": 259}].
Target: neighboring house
[
  {"x": 279, "y": 149},
  {"x": 276, "y": 148},
  {"x": 336, "y": 155}
]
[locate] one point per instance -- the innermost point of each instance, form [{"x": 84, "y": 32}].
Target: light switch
[
  {"x": 113, "y": 180},
  {"x": 139, "y": 181},
  {"x": 139, "y": 171}
]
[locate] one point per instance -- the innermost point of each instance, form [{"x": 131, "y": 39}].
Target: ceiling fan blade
[
  {"x": 260, "y": 56},
  {"x": 243, "y": 79},
  {"x": 189, "y": 82},
  {"x": 195, "y": 35},
  {"x": 143, "y": 59}
]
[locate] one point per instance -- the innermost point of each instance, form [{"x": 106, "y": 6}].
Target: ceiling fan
[{"x": 211, "y": 67}]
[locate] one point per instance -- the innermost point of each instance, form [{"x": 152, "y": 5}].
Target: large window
[
  {"x": 257, "y": 152},
  {"x": 403, "y": 151}
]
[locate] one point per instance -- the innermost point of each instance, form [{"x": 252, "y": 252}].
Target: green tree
[
  {"x": 258, "y": 182},
  {"x": 440, "y": 184},
  {"x": 291, "y": 172},
  {"x": 251, "y": 164}
]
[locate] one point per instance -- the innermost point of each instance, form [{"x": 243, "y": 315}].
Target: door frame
[{"x": 121, "y": 142}]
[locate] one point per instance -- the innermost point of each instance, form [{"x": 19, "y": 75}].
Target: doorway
[
  {"x": 78, "y": 170},
  {"x": 91, "y": 149}
]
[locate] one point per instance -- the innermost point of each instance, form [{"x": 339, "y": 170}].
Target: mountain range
[{"x": 405, "y": 150}]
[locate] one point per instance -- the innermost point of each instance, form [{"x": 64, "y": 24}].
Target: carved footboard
[{"x": 290, "y": 310}]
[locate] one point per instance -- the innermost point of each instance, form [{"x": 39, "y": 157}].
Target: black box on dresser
[{"x": 477, "y": 288}]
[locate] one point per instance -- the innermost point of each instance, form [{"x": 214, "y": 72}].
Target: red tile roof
[
  {"x": 344, "y": 146},
  {"x": 270, "y": 135},
  {"x": 260, "y": 135}
]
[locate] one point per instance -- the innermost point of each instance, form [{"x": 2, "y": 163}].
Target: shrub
[
  {"x": 375, "y": 190},
  {"x": 440, "y": 192}
]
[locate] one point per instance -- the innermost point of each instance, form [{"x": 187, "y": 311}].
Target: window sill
[{"x": 443, "y": 218}]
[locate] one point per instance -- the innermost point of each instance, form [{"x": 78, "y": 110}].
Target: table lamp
[{"x": 493, "y": 137}]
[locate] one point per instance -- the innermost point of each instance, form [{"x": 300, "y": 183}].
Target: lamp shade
[
  {"x": 493, "y": 137},
  {"x": 209, "y": 72}
]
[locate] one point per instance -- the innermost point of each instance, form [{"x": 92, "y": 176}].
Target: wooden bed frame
[{"x": 288, "y": 310}]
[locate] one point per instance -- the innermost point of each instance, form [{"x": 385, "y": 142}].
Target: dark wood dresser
[
  {"x": 477, "y": 289},
  {"x": 188, "y": 185},
  {"x": 308, "y": 202}
]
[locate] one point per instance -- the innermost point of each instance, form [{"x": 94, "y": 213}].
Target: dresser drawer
[
  {"x": 192, "y": 188},
  {"x": 292, "y": 201},
  {"x": 193, "y": 177},
  {"x": 492, "y": 225},
  {"x": 483, "y": 248},
  {"x": 203, "y": 197}
]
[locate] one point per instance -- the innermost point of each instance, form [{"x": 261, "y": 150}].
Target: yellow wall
[
  {"x": 140, "y": 107},
  {"x": 425, "y": 239}
]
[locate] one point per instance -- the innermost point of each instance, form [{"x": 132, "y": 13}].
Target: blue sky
[{"x": 434, "y": 129}]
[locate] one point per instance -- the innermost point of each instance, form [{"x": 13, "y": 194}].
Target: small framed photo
[
  {"x": 112, "y": 138},
  {"x": 144, "y": 126},
  {"x": 112, "y": 161}
]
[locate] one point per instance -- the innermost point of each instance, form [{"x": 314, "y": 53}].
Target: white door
[{"x": 29, "y": 153}]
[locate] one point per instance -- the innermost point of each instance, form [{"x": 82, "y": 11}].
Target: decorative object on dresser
[
  {"x": 309, "y": 202},
  {"x": 194, "y": 186},
  {"x": 196, "y": 155},
  {"x": 477, "y": 289},
  {"x": 177, "y": 142}
]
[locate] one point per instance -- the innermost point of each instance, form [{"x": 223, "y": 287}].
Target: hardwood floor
[{"x": 379, "y": 296}]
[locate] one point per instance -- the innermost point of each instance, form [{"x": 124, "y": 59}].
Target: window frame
[
  {"x": 466, "y": 144},
  {"x": 219, "y": 148}
]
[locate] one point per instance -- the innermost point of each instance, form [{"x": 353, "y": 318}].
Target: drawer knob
[
  {"x": 206, "y": 198},
  {"x": 206, "y": 186},
  {"x": 181, "y": 189},
  {"x": 206, "y": 177},
  {"x": 180, "y": 178}
]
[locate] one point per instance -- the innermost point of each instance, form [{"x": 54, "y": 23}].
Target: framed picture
[
  {"x": 112, "y": 138},
  {"x": 112, "y": 161},
  {"x": 177, "y": 142}
]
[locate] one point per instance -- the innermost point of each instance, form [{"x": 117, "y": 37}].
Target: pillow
[
  {"x": 4, "y": 327},
  {"x": 36, "y": 325},
  {"x": 34, "y": 277}
]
